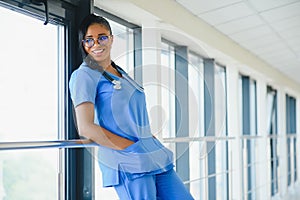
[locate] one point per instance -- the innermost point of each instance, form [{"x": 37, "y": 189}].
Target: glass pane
[
  {"x": 29, "y": 110},
  {"x": 196, "y": 96},
  {"x": 248, "y": 124},
  {"x": 253, "y": 108},
  {"x": 289, "y": 161},
  {"x": 221, "y": 131},
  {"x": 122, "y": 51},
  {"x": 220, "y": 101},
  {"x": 168, "y": 89},
  {"x": 295, "y": 160},
  {"x": 28, "y": 78},
  {"x": 271, "y": 111},
  {"x": 196, "y": 126},
  {"x": 197, "y": 158},
  {"x": 221, "y": 170},
  {"x": 29, "y": 174}
]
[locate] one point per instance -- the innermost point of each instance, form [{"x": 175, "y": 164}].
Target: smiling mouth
[{"x": 98, "y": 51}]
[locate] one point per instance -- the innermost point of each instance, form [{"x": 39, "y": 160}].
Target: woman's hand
[
  {"x": 95, "y": 133},
  {"x": 84, "y": 141}
]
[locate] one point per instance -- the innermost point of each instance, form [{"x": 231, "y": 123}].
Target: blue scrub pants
[{"x": 164, "y": 186}]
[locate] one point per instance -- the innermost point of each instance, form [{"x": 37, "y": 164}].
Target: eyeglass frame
[{"x": 99, "y": 41}]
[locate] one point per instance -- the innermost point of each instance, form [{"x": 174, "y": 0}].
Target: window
[
  {"x": 207, "y": 98},
  {"x": 221, "y": 131},
  {"x": 272, "y": 130},
  {"x": 196, "y": 93},
  {"x": 249, "y": 133},
  {"x": 196, "y": 126},
  {"x": 167, "y": 92},
  {"x": 123, "y": 47},
  {"x": 291, "y": 138},
  {"x": 207, "y": 112},
  {"x": 168, "y": 89},
  {"x": 29, "y": 110}
]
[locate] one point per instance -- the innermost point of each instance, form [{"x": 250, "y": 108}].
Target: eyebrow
[{"x": 100, "y": 34}]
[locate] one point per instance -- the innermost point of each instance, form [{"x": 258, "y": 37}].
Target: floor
[{"x": 293, "y": 194}]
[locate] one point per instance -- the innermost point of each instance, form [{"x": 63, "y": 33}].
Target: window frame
[
  {"x": 67, "y": 14},
  {"x": 55, "y": 18}
]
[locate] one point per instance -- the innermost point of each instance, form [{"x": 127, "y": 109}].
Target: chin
[{"x": 99, "y": 59}]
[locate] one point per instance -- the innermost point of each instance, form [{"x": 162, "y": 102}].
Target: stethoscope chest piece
[{"x": 117, "y": 84}]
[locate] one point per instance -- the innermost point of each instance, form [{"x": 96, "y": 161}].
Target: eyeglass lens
[{"x": 90, "y": 42}]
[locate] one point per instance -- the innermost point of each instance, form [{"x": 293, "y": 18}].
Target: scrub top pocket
[{"x": 132, "y": 147}]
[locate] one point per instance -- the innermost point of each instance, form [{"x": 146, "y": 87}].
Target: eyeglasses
[{"x": 102, "y": 40}]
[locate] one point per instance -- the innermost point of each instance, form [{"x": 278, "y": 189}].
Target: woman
[{"x": 111, "y": 111}]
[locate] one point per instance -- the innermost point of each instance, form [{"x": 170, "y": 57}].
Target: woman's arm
[{"x": 87, "y": 128}]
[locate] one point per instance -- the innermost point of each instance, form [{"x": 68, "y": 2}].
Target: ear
[{"x": 112, "y": 39}]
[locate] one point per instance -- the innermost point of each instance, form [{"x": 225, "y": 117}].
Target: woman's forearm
[
  {"x": 94, "y": 132},
  {"x": 104, "y": 137}
]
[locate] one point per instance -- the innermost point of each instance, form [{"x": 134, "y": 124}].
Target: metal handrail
[
  {"x": 79, "y": 143},
  {"x": 83, "y": 143},
  {"x": 196, "y": 139}
]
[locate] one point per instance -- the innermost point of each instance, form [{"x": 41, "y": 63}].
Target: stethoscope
[{"x": 117, "y": 84}]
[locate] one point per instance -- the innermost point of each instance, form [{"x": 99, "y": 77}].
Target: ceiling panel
[
  {"x": 290, "y": 72},
  {"x": 270, "y": 48},
  {"x": 286, "y": 23},
  {"x": 288, "y": 65},
  {"x": 253, "y": 33},
  {"x": 239, "y": 25},
  {"x": 261, "y": 41},
  {"x": 282, "y": 13},
  {"x": 294, "y": 44},
  {"x": 226, "y": 14},
  {"x": 290, "y": 33},
  {"x": 263, "y": 5},
  {"x": 200, "y": 6},
  {"x": 279, "y": 56},
  {"x": 296, "y": 48}
]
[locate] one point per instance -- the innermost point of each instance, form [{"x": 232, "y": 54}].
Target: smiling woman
[
  {"x": 29, "y": 105},
  {"x": 132, "y": 160}
]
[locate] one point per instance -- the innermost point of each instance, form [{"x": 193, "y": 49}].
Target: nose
[{"x": 96, "y": 41}]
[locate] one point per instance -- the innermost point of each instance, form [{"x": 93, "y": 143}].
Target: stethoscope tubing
[{"x": 117, "y": 84}]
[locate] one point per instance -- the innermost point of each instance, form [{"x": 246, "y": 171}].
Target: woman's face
[{"x": 100, "y": 52}]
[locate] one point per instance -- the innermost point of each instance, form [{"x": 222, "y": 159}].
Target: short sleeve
[{"x": 83, "y": 86}]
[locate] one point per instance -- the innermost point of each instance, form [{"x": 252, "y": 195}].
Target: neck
[{"x": 105, "y": 64}]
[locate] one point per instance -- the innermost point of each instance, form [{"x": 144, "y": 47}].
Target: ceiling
[{"x": 270, "y": 29}]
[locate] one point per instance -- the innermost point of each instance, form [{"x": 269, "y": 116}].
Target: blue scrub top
[{"x": 123, "y": 112}]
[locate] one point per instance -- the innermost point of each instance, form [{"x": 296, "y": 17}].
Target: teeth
[{"x": 98, "y": 51}]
